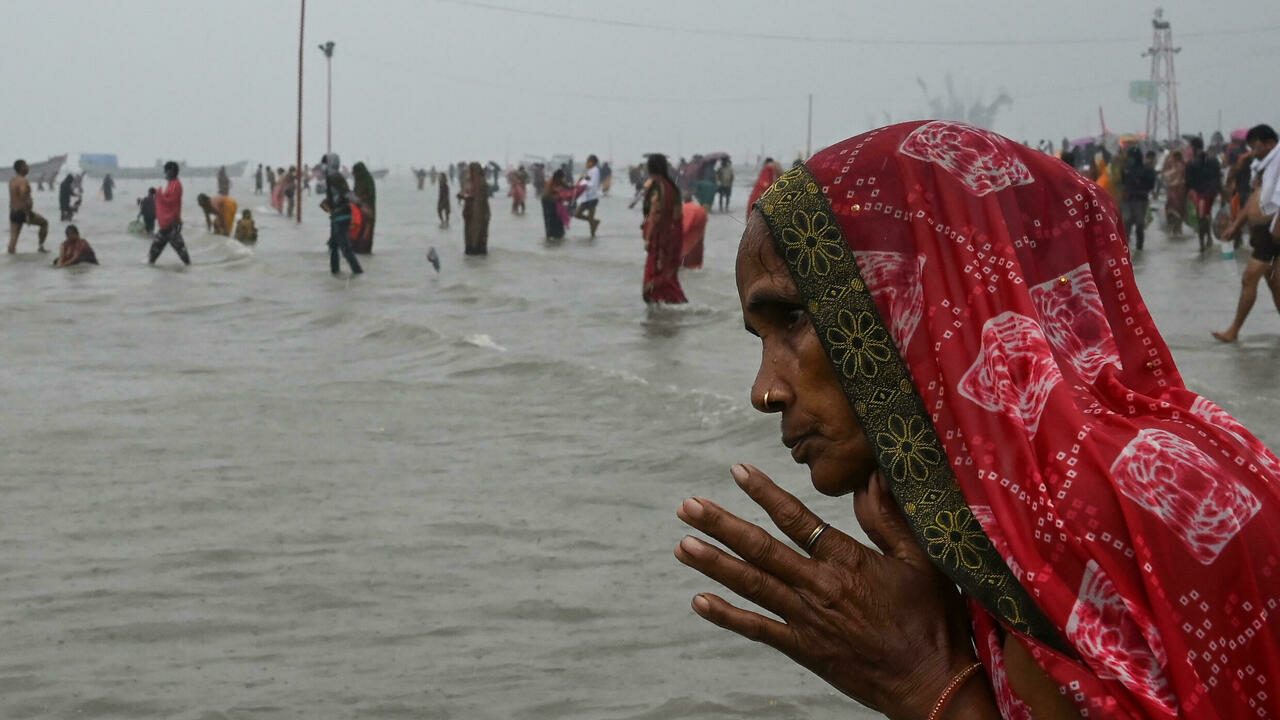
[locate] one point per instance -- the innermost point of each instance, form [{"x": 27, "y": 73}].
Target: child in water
[
  {"x": 246, "y": 231},
  {"x": 74, "y": 250}
]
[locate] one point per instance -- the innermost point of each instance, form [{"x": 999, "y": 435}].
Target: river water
[{"x": 250, "y": 490}]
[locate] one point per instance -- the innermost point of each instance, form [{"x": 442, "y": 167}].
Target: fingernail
[
  {"x": 701, "y": 605},
  {"x": 692, "y": 545},
  {"x": 739, "y": 473},
  {"x": 692, "y": 508}
]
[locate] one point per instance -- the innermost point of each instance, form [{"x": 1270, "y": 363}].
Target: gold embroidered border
[{"x": 880, "y": 388}]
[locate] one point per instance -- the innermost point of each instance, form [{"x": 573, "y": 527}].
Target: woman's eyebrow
[{"x": 767, "y": 298}]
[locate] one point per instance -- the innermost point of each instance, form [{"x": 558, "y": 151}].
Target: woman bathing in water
[{"x": 74, "y": 250}]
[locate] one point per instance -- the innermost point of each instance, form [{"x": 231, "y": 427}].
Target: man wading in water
[
  {"x": 337, "y": 202},
  {"x": 169, "y": 217},
  {"x": 21, "y": 208}
]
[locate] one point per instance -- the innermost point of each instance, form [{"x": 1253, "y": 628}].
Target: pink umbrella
[{"x": 1239, "y": 134}]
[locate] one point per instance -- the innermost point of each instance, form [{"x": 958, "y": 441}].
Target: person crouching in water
[
  {"x": 337, "y": 202},
  {"x": 219, "y": 213},
  {"x": 74, "y": 250},
  {"x": 246, "y": 230}
]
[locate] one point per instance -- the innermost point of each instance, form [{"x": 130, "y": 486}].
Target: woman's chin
[
  {"x": 832, "y": 483},
  {"x": 838, "y": 481}
]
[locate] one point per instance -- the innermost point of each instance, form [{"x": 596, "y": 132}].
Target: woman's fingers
[
  {"x": 792, "y": 517},
  {"x": 750, "y": 542},
  {"x": 752, "y": 626},
  {"x": 743, "y": 578},
  {"x": 883, "y": 522}
]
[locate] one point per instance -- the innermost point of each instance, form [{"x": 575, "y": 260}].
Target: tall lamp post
[{"x": 327, "y": 49}]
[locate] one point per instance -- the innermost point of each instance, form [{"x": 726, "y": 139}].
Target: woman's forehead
[
  {"x": 755, "y": 237},
  {"x": 757, "y": 257}
]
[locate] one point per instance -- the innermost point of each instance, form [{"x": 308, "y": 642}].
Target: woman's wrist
[
  {"x": 953, "y": 690},
  {"x": 970, "y": 698}
]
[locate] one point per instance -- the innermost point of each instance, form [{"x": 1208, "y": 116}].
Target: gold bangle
[{"x": 950, "y": 690}]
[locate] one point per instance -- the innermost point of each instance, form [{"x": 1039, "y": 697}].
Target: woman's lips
[{"x": 799, "y": 445}]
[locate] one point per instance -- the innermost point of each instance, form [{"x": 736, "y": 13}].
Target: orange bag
[{"x": 357, "y": 222}]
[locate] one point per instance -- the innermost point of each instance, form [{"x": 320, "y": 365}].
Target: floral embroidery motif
[
  {"x": 858, "y": 344},
  {"x": 957, "y": 537},
  {"x": 812, "y": 243},
  {"x": 783, "y": 190},
  {"x": 906, "y": 449}
]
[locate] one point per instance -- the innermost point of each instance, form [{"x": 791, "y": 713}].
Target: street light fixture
[{"x": 327, "y": 49}]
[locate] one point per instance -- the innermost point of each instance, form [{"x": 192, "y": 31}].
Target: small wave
[
  {"x": 397, "y": 330},
  {"x": 483, "y": 341},
  {"x": 623, "y": 375},
  {"x": 546, "y": 611}
]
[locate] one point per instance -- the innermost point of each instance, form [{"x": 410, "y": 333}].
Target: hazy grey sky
[{"x": 428, "y": 81}]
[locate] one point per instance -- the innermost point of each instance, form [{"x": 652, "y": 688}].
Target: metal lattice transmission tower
[{"x": 1164, "y": 108}]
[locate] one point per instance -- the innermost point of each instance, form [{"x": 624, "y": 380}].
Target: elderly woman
[{"x": 952, "y": 334}]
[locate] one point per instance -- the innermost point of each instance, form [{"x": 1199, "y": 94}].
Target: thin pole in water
[
  {"x": 328, "y": 104},
  {"x": 327, "y": 49},
  {"x": 808, "y": 138},
  {"x": 297, "y": 189}
]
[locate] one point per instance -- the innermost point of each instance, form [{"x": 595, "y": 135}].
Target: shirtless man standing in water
[{"x": 21, "y": 208}]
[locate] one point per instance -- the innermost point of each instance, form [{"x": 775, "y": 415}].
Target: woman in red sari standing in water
[
  {"x": 768, "y": 176},
  {"x": 952, "y": 334},
  {"x": 663, "y": 230}
]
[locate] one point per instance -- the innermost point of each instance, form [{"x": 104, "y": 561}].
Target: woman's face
[{"x": 818, "y": 424}]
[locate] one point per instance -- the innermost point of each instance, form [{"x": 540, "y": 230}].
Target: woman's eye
[{"x": 795, "y": 317}]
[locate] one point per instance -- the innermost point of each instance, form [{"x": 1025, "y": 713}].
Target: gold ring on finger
[{"x": 813, "y": 536}]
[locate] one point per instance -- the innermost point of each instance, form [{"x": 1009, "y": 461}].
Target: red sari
[
  {"x": 768, "y": 176},
  {"x": 663, "y": 238},
  {"x": 976, "y": 300},
  {"x": 695, "y": 229}
]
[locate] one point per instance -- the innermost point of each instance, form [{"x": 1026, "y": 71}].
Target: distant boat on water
[
  {"x": 97, "y": 165},
  {"x": 46, "y": 171}
]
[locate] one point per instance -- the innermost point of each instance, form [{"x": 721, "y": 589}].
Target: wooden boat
[{"x": 46, "y": 171}]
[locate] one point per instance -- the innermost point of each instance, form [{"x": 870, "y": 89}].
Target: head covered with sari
[
  {"x": 976, "y": 301},
  {"x": 363, "y": 185}
]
